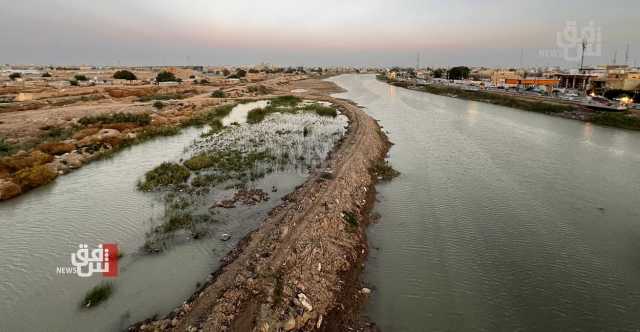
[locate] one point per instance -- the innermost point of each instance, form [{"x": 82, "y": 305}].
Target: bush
[
  {"x": 34, "y": 177},
  {"x": 321, "y": 110},
  {"x": 73, "y": 82},
  {"x": 124, "y": 75},
  {"x": 97, "y": 294},
  {"x": 165, "y": 76},
  {"x": 46, "y": 75},
  {"x": 164, "y": 175},
  {"x": 80, "y": 78},
  {"x": 218, "y": 94},
  {"x": 142, "y": 119},
  {"x": 14, "y": 76},
  {"x": 384, "y": 171},
  {"x": 158, "y": 104},
  {"x": 285, "y": 101},
  {"x": 4, "y": 147}
]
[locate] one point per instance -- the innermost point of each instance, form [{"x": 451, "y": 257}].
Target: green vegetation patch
[
  {"x": 285, "y": 101},
  {"x": 97, "y": 295},
  {"x": 383, "y": 170},
  {"x": 350, "y": 218},
  {"x": 624, "y": 120},
  {"x": 5, "y": 147},
  {"x": 502, "y": 100},
  {"x": 210, "y": 117},
  {"x": 166, "y": 174},
  {"x": 321, "y": 110},
  {"x": 141, "y": 119},
  {"x": 218, "y": 94}
]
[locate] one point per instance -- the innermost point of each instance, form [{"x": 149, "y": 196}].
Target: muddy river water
[{"x": 502, "y": 220}]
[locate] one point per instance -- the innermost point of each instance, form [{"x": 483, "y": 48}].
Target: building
[
  {"x": 500, "y": 77},
  {"x": 618, "y": 78},
  {"x": 580, "y": 82},
  {"x": 545, "y": 83}
]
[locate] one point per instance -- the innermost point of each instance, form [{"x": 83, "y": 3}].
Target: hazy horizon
[{"x": 494, "y": 33}]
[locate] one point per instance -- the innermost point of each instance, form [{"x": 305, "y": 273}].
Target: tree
[
  {"x": 81, "y": 78},
  {"x": 15, "y": 76},
  {"x": 459, "y": 73},
  {"x": 253, "y": 71},
  {"x": 241, "y": 73},
  {"x": 165, "y": 76},
  {"x": 226, "y": 72},
  {"x": 124, "y": 75},
  {"x": 46, "y": 74}
]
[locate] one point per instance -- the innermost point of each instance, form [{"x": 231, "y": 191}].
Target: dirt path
[{"x": 296, "y": 272}]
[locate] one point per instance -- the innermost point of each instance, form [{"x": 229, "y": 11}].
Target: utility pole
[
  {"x": 522, "y": 58},
  {"x": 626, "y": 55},
  {"x": 584, "y": 47},
  {"x": 615, "y": 57},
  {"x": 418, "y": 61}
]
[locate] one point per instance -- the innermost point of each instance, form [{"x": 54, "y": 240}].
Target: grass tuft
[
  {"x": 97, "y": 295},
  {"x": 164, "y": 175}
]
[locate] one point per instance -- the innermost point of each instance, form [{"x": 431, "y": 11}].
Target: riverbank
[
  {"x": 298, "y": 271},
  {"x": 625, "y": 120}
]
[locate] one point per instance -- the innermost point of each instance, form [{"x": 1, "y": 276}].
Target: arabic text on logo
[{"x": 103, "y": 259}]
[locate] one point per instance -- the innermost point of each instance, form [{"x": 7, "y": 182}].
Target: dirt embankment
[{"x": 298, "y": 271}]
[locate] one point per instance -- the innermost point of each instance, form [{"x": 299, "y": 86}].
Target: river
[{"x": 502, "y": 220}]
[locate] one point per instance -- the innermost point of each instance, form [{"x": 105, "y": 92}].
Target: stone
[
  {"x": 304, "y": 301},
  {"x": 365, "y": 291},
  {"x": 225, "y": 237},
  {"x": 290, "y": 324}
]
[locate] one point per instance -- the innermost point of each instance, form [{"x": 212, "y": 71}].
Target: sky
[{"x": 494, "y": 33}]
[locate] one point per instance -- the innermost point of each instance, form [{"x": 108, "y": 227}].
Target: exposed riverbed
[{"x": 502, "y": 220}]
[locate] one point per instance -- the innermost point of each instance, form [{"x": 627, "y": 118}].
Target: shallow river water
[{"x": 502, "y": 220}]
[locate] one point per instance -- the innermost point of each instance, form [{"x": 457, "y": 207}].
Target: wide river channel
[{"x": 502, "y": 220}]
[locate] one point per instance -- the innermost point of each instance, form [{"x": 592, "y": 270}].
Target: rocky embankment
[{"x": 298, "y": 271}]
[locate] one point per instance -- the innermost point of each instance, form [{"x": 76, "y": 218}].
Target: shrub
[
  {"x": 164, "y": 175},
  {"x": 165, "y": 76},
  {"x": 285, "y": 101},
  {"x": 158, "y": 104},
  {"x": 73, "y": 82},
  {"x": 36, "y": 176},
  {"x": 46, "y": 74},
  {"x": 200, "y": 161},
  {"x": 142, "y": 119},
  {"x": 218, "y": 94},
  {"x": 321, "y": 110},
  {"x": 124, "y": 75},
  {"x": 80, "y": 78},
  {"x": 350, "y": 218},
  {"x": 383, "y": 170},
  {"x": 97, "y": 294},
  {"x": 14, "y": 76},
  {"x": 4, "y": 147}
]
